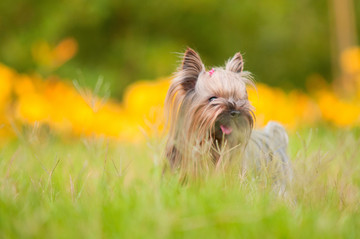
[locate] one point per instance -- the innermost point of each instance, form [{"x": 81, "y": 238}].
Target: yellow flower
[
  {"x": 64, "y": 51},
  {"x": 340, "y": 112},
  {"x": 24, "y": 85},
  {"x": 45, "y": 56},
  {"x": 6, "y": 78},
  {"x": 350, "y": 60},
  {"x": 144, "y": 101},
  {"x": 33, "y": 107}
]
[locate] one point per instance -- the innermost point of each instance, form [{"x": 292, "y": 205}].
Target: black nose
[{"x": 235, "y": 113}]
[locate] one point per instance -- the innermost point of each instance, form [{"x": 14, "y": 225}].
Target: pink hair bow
[{"x": 211, "y": 71}]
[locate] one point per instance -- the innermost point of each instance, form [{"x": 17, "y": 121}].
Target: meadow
[
  {"x": 96, "y": 188},
  {"x": 76, "y": 163}
]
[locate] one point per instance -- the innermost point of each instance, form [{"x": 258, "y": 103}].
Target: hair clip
[{"x": 211, "y": 71}]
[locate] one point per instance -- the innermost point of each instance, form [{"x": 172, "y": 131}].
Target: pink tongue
[{"x": 225, "y": 129}]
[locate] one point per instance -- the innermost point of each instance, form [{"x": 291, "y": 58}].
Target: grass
[{"x": 97, "y": 188}]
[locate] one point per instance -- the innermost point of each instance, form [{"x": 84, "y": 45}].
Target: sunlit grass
[{"x": 95, "y": 187}]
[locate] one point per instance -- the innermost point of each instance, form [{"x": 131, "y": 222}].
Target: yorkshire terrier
[{"x": 209, "y": 116}]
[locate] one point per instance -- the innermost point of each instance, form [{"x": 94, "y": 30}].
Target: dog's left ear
[
  {"x": 191, "y": 67},
  {"x": 236, "y": 64}
]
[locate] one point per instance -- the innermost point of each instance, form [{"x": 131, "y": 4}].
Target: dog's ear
[
  {"x": 236, "y": 64},
  {"x": 191, "y": 67}
]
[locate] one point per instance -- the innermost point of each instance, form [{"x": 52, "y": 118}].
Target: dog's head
[{"x": 209, "y": 105}]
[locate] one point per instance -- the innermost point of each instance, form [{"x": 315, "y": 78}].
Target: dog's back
[{"x": 267, "y": 150}]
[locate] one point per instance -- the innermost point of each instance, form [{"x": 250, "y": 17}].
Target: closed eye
[{"x": 212, "y": 98}]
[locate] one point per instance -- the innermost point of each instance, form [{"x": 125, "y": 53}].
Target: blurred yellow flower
[
  {"x": 274, "y": 104},
  {"x": 24, "y": 85},
  {"x": 28, "y": 99},
  {"x": 33, "y": 107},
  {"x": 6, "y": 80},
  {"x": 7, "y": 76},
  {"x": 64, "y": 51},
  {"x": 340, "y": 112},
  {"x": 45, "y": 56},
  {"x": 350, "y": 60},
  {"x": 144, "y": 101}
]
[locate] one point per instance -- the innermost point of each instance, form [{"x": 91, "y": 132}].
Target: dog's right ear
[
  {"x": 236, "y": 64},
  {"x": 191, "y": 67}
]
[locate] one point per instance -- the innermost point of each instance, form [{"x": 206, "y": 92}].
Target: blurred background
[
  {"x": 105, "y": 45},
  {"x": 283, "y": 42}
]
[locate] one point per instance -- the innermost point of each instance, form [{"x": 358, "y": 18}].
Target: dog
[{"x": 210, "y": 119}]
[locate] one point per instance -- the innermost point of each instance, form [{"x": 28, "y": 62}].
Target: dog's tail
[{"x": 277, "y": 133}]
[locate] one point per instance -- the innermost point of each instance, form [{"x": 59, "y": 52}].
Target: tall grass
[{"x": 97, "y": 188}]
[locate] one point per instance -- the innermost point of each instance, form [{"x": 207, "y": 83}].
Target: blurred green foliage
[{"x": 283, "y": 41}]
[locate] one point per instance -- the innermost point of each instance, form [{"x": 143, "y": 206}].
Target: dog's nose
[{"x": 235, "y": 113}]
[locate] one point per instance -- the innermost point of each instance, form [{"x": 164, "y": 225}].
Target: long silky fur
[{"x": 189, "y": 118}]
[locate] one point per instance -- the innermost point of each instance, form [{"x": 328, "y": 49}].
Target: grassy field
[{"x": 97, "y": 188}]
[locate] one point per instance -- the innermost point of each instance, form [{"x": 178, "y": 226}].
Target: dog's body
[{"x": 209, "y": 115}]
